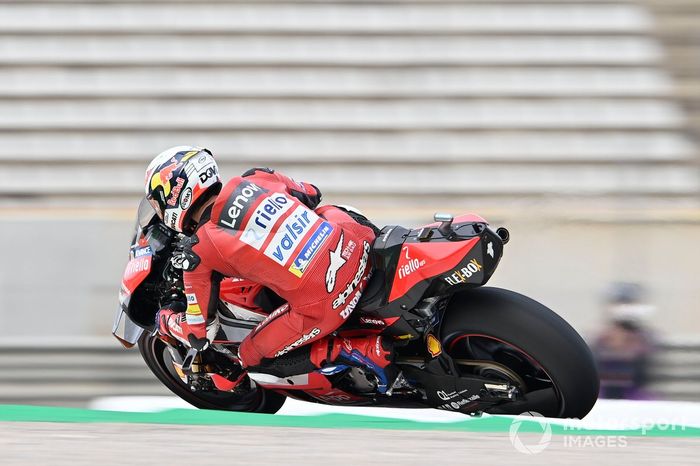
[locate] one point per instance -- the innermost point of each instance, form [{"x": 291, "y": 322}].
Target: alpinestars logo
[
  {"x": 343, "y": 296},
  {"x": 337, "y": 262},
  {"x": 345, "y": 313},
  {"x": 275, "y": 314},
  {"x": 304, "y": 338}
]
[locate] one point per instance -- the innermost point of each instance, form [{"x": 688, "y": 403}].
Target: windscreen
[{"x": 145, "y": 214}]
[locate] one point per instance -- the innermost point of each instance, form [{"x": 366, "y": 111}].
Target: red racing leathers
[{"x": 259, "y": 229}]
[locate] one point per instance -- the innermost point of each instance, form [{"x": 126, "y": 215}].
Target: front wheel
[
  {"x": 509, "y": 337},
  {"x": 157, "y": 357}
]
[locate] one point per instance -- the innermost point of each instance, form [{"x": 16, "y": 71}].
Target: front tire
[
  {"x": 158, "y": 359},
  {"x": 531, "y": 340}
]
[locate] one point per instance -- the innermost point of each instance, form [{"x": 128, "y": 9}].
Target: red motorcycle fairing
[
  {"x": 301, "y": 387},
  {"x": 310, "y": 381},
  {"x": 411, "y": 262},
  {"x": 241, "y": 292},
  {"x": 138, "y": 268},
  {"x": 422, "y": 261}
]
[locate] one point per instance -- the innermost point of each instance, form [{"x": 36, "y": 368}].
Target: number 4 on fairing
[{"x": 460, "y": 346}]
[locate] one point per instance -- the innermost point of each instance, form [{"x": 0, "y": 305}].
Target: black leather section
[
  {"x": 253, "y": 170},
  {"x": 268, "y": 300},
  {"x": 362, "y": 220},
  {"x": 373, "y": 296},
  {"x": 216, "y": 278},
  {"x": 293, "y": 363},
  {"x": 309, "y": 201},
  {"x": 190, "y": 259},
  {"x": 206, "y": 215}
]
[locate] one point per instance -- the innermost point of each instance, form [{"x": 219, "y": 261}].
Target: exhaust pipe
[{"x": 503, "y": 234}]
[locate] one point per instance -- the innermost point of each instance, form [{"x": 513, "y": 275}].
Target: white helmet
[{"x": 178, "y": 180}]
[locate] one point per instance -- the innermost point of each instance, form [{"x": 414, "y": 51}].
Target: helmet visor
[{"x": 156, "y": 206}]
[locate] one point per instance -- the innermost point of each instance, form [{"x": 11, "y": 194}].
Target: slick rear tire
[
  {"x": 158, "y": 359},
  {"x": 514, "y": 322}
]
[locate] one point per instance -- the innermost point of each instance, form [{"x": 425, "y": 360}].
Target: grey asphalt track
[{"x": 66, "y": 444}]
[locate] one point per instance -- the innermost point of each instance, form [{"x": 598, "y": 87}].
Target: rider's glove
[
  {"x": 164, "y": 315},
  {"x": 311, "y": 195},
  {"x": 171, "y": 323}
]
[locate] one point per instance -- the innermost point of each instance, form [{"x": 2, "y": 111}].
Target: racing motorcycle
[{"x": 459, "y": 345}]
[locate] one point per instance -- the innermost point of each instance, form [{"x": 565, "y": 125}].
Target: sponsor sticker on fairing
[
  {"x": 465, "y": 273},
  {"x": 433, "y": 345},
  {"x": 371, "y": 321},
  {"x": 312, "y": 246},
  {"x": 140, "y": 252},
  {"x": 455, "y": 405},
  {"x": 409, "y": 265},
  {"x": 141, "y": 264},
  {"x": 264, "y": 218},
  {"x": 290, "y": 234}
]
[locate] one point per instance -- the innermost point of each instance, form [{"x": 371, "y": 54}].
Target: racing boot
[{"x": 373, "y": 353}]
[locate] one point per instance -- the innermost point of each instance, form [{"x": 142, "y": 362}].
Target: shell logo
[{"x": 433, "y": 345}]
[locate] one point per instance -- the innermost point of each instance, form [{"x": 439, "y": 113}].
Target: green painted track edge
[{"x": 22, "y": 413}]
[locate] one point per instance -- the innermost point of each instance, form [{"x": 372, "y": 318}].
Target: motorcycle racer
[{"x": 268, "y": 229}]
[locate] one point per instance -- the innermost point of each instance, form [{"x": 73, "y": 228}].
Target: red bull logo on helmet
[
  {"x": 162, "y": 177},
  {"x": 172, "y": 200}
]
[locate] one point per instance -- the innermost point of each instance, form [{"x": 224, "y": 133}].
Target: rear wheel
[
  {"x": 506, "y": 336},
  {"x": 159, "y": 360}
]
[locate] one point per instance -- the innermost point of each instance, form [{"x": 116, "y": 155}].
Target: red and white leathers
[{"x": 259, "y": 229}]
